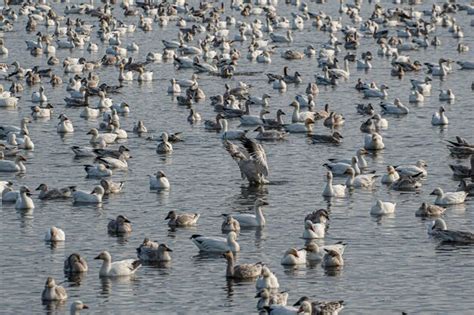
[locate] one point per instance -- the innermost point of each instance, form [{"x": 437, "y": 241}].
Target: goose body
[
  {"x": 183, "y": 219},
  {"x": 331, "y": 190},
  {"x": 94, "y": 197},
  {"x": 55, "y": 234},
  {"x": 243, "y": 271},
  {"x": 448, "y": 198},
  {"x": 150, "y": 251},
  {"x": 252, "y": 220},
  {"x": 217, "y": 244},
  {"x": 440, "y": 231},
  {"x": 121, "y": 268},
  {"x": 314, "y": 230},
  {"x": 24, "y": 201},
  {"x": 294, "y": 257},
  {"x": 382, "y": 208},
  {"x": 53, "y": 292}
]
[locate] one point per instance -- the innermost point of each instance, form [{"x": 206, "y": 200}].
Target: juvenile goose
[
  {"x": 268, "y": 297},
  {"x": 230, "y": 224},
  {"x": 440, "y": 231},
  {"x": 150, "y": 251},
  {"x": 334, "y": 138},
  {"x": 121, "y": 225},
  {"x": 48, "y": 194},
  {"x": 429, "y": 210},
  {"x": 313, "y": 230},
  {"x": 448, "y": 198},
  {"x": 252, "y": 220},
  {"x": 125, "y": 267},
  {"x": 293, "y": 257},
  {"x": 269, "y": 135},
  {"x": 94, "y": 197},
  {"x": 181, "y": 220},
  {"x": 322, "y": 307},
  {"x": 24, "y": 201},
  {"x": 407, "y": 183},
  {"x": 55, "y": 234},
  {"x": 331, "y": 190},
  {"x": 332, "y": 258},
  {"x": 75, "y": 263},
  {"x": 111, "y": 187},
  {"x": 216, "y": 244},
  {"x": 159, "y": 181},
  {"x": 243, "y": 271},
  {"x": 53, "y": 292},
  {"x": 382, "y": 208}
]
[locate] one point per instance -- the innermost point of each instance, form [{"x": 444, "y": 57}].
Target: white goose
[
  {"x": 373, "y": 142},
  {"x": 55, "y": 234},
  {"x": 391, "y": 176},
  {"x": 216, "y": 244},
  {"x": 65, "y": 125},
  {"x": 267, "y": 280},
  {"x": 341, "y": 167},
  {"x": 252, "y": 220},
  {"x": 125, "y": 267},
  {"x": 13, "y": 166},
  {"x": 315, "y": 253},
  {"x": 333, "y": 190},
  {"x": 411, "y": 170},
  {"x": 24, "y": 202},
  {"x": 39, "y": 97},
  {"x": 159, "y": 181},
  {"x": 97, "y": 138},
  {"x": 396, "y": 108},
  {"x": 94, "y": 197},
  {"x": 439, "y": 118},
  {"x": 313, "y": 230},
  {"x": 382, "y": 208},
  {"x": 449, "y": 198},
  {"x": 446, "y": 95},
  {"x": 359, "y": 181},
  {"x": 293, "y": 257},
  {"x": 230, "y": 134}
]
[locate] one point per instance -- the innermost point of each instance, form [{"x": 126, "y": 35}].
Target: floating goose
[
  {"x": 332, "y": 258},
  {"x": 55, "y": 234},
  {"x": 94, "y": 197},
  {"x": 407, "y": 183},
  {"x": 439, "y": 118},
  {"x": 313, "y": 230},
  {"x": 77, "y": 306},
  {"x": 448, "y": 198},
  {"x": 24, "y": 201},
  {"x": 269, "y": 297},
  {"x": 340, "y": 168},
  {"x": 216, "y": 244},
  {"x": 293, "y": 257},
  {"x": 183, "y": 219},
  {"x": 48, "y": 194},
  {"x": 446, "y": 95},
  {"x": 53, "y": 292},
  {"x": 331, "y": 190},
  {"x": 359, "y": 181},
  {"x": 267, "y": 280},
  {"x": 322, "y": 307},
  {"x": 230, "y": 224},
  {"x": 429, "y": 210},
  {"x": 361, "y": 162},
  {"x": 97, "y": 171},
  {"x": 126, "y": 267},
  {"x": 269, "y": 135},
  {"x": 373, "y": 142},
  {"x": 252, "y": 220},
  {"x": 164, "y": 146},
  {"x": 396, "y": 108},
  {"x": 382, "y": 208},
  {"x": 111, "y": 187},
  {"x": 160, "y": 181},
  {"x": 96, "y": 137},
  {"x": 13, "y": 166},
  {"x": 243, "y": 271},
  {"x": 150, "y": 251},
  {"x": 75, "y": 263},
  {"x": 334, "y": 138},
  {"x": 121, "y": 225},
  {"x": 440, "y": 231},
  {"x": 411, "y": 170},
  {"x": 315, "y": 253}
]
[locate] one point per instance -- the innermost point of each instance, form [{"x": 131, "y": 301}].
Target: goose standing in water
[
  {"x": 164, "y": 146},
  {"x": 150, "y": 251},
  {"x": 53, "y": 292},
  {"x": 125, "y": 267},
  {"x": 55, "y": 234},
  {"x": 252, "y": 162},
  {"x": 252, "y": 220},
  {"x": 216, "y": 244},
  {"x": 333, "y": 190},
  {"x": 121, "y": 225},
  {"x": 24, "y": 201},
  {"x": 182, "y": 220},
  {"x": 75, "y": 263},
  {"x": 243, "y": 271},
  {"x": 160, "y": 181},
  {"x": 439, "y": 230}
]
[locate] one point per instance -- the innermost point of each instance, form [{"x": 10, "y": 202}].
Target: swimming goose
[
  {"x": 439, "y": 118},
  {"x": 318, "y": 216},
  {"x": 305, "y": 308},
  {"x": 216, "y": 244},
  {"x": 340, "y": 168},
  {"x": 39, "y": 97},
  {"x": 150, "y": 251},
  {"x": 8, "y": 194},
  {"x": 279, "y": 38},
  {"x": 467, "y": 187},
  {"x": 382, "y": 208},
  {"x": 97, "y": 171},
  {"x": 300, "y": 116},
  {"x": 252, "y": 161},
  {"x": 332, "y": 258},
  {"x": 316, "y": 253},
  {"x": 13, "y": 166},
  {"x": 53, "y": 292},
  {"x": 448, "y": 198},
  {"x": 65, "y": 125},
  {"x": 94, "y": 197},
  {"x": 424, "y": 87},
  {"x": 181, "y": 220},
  {"x": 461, "y": 146},
  {"x": 298, "y": 127},
  {"x": 48, "y": 194},
  {"x": 174, "y": 87},
  {"x": 440, "y": 231},
  {"x": 359, "y": 181},
  {"x": 24, "y": 202},
  {"x": 125, "y": 267},
  {"x": 252, "y": 120},
  {"x": 446, "y": 95},
  {"x": 164, "y": 146},
  {"x": 415, "y": 96},
  {"x": 230, "y": 224},
  {"x": 335, "y": 138},
  {"x": 373, "y": 142},
  {"x": 396, "y": 108},
  {"x": 429, "y": 210},
  {"x": 331, "y": 190},
  {"x": 42, "y": 112},
  {"x": 262, "y": 101},
  {"x": 55, "y": 234},
  {"x": 267, "y": 280},
  {"x": 121, "y": 225},
  {"x": 293, "y": 257},
  {"x": 361, "y": 162},
  {"x": 252, "y": 220},
  {"x": 269, "y": 135},
  {"x": 243, "y": 271},
  {"x": 466, "y": 64},
  {"x": 314, "y": 230},
  {"x": 75, "y": 263},
  {"x": 463, "y": 171},
  {"x": 113, "y": 163},
  {"x": 77, "y": 306},
  {"x": 411, "y": 170},
  {"x": 322, "y": 307},
  {"x": 268, "y": 297},
  {"x": 111, "y": 187},
  {"x": 376, "y": 92},
  {"x": 391, "y": 176},
  {"x": 407, "y": 183},
  {"x": 160, "y": 181}
]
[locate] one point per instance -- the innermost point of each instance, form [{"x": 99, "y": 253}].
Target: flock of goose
[{"x": 211, "y": 41}]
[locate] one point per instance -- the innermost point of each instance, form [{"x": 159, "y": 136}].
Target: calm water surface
[{"x": 391, "y": 264}]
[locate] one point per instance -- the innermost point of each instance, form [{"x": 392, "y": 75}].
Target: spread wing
[{"x": 257, "y": 153}]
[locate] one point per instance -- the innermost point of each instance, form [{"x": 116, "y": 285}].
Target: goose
[
  {"x": 376, "y": 92},
  {"x": 359, "y": 181},
  {"x": 139, "y": 127},
  {"x": 251, "y": 120},
  {"x": 411, "y": 170},
  {"x": 293, "y": 257},
  {"x": 53, "y": 292},
  {"x": 305, "y": 308},
  {"x": 124, "y": 75},
  {"x": 252, "y": 161},
  {"x": 121, "y": 225},
  {"x": 164, "y": 146},
  {"x": 440, "y": 70},
  {"x": 334, "y": 120},
  {"x": 270, "y": 135},
  {"x": 424, "y": 86},
  {"x": 320, "y": 307},
  {"x": 448, "y": 198},
  {"x": 279, "y": 38},
  {"x": 24, "y": 201},
  {"x": 145, "y": 76},
  {"x": 439, "y": 118},
  {"x": 313, "y": 230},
  {"x": 39, "y": 97},
  {"x": 391, "y": 176},
  {"x": 252, "y": 220},
  {"x": 280, "y": 85},
  {"x": 331, "y": 190},
  {"x": 340, "y": 73},
  {"x": 332, "y": 259},
  {"x": 77, "y": 306},
  {"x": 64, "y": 125},
  {"x": 429, "y": 210},
  {"x": 269, "y": 297},
  {"x": 182, "y": 220},
  {"x": 42, "y": 112},
  {"x": 75, "y": 263},
  {"x": 340, "y": 168},
  {"x": 407, "y": 183},
  {"x": 49, "y": 194},
  {"x": 159, "y": 181},
  {"x": 94, "y": 197},
  {"x": 262, "y": 101},
  {"x": 89, "y": 112},
  {"x": 216, "y": 244},
  {"x": 120, "y": 268},
  {"x": 154, "y": 57},
  {"x": 415, "y": 96},
  {"x": 298, "y": 127},
  {"x": 230, "y": 224},
  {"x": 299, "y": 116},
  {"x": 463, "y": 171},
  {"x": 113, "y": 163},
  {"x": 315, "y": 253},
  {"x": 97, "y": 171},
  {"x": 334, "y": 138},
  {"x": 150, "y": 251},
  {"x": 111, "y": 187},
  {"x": 382, "y": 208},
  {"x": 194, "y": 116},
  {"x": 13, "y": 166},
  {"x": 446, "y": 95},
  {"x": 373, "y": 142},
  {"x": 397, "y": 108},
  {"x": 96, "y": 137},
  {"x": 243, "y": 271},
  {"x": 439, "y": 230},
  {"x": 55, "y": 234},
  {"x": 464, "y": 186},
  {"x": 361, "y": 162},
  {"x": 174, "y": 87},
  {"x": 364, "y": 64},
  {"x": 85, "y": 151},
  {"x": 267, "y": 280},
  {"x": 8, "y": 194}
]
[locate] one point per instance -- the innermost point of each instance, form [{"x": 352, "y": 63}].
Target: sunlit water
[{"x": 391, "y": 263}]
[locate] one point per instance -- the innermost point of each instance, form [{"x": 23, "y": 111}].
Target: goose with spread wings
[{"x": 251, "y": 159}]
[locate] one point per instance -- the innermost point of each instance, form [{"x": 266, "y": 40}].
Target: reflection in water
[
  {"x": 26, "y": 218},
  {"x": 108, "y": 282},
  {"x": 75, "y": 278},
  {"x": 52, "y": 307},
  {"x": 55, "y": 245},
  {"x": 333, "y": 271}
]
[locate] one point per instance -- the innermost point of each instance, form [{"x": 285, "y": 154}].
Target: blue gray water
[{"x": 391, "y": 263}]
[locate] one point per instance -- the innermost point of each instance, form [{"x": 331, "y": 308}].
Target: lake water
[{"x": 391, "y": 263}]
